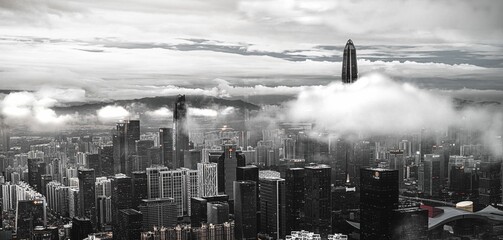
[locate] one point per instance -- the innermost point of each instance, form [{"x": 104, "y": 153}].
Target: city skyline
[{"x": 251, "y": 119}]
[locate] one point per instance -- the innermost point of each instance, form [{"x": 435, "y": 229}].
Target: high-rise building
[
  {"x": 191, "y": 188},
  {"x": 272, "y": 207},
  {"x": 245, "y": 209},
  {"x": 141, "y": 161},
  {"x": 166, "y": 145},
  {"x": 93, "y": 162},
  {"x": 129, "y": 224},
  {"x": 86, "y": 205},
  {"x": 153, "y": 184},
  {"x": 429, "y": 175},
  {"x": 124, "y": 142},
  {"x": 81, "y": 228},
  {"x": 207, "y": 179},
  {"x": 378, "y": 198},
  {"x": 198, "y": 214},
  {"x": 217, "y": 212},
  {"x": 490, "y": 183},
  {"x": 158, "y": 213},
  {"x": 106, "y": 154},
  {"x": 104, "y": 212},
  {"x": 139, "y": 184},
  {"x": 30, "y": 214},
  {"x": 349, "y": 63},
  {"x": 121, "y": 197},
  {"x": 294, "y": 197},
  {"x": 227, "y": 163},
  {"x": 180, "y": 131},
  {"x": 172, "y": 185},
  {"x": 36, "y": 168},
  {"x": 317, "y": 197}
]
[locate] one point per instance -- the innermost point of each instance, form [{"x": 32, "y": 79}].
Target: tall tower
[
  {"x": 349, "y": 67},
  {"x": 180, "y": 131}
]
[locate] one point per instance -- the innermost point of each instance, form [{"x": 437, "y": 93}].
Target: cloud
[
  {"x": 377, "y": 105},
  {"x": 160, "y": 113},
  {"x": 34, "y": 109},
  {"x": 202, "y": 112},
  {"x": 112, "y": 113}
]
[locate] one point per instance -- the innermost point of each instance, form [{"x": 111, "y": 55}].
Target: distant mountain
[
  {"x": 462, "y": 103},
  {"x": 158, "y": 102}
]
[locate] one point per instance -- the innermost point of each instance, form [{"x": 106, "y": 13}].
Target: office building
[
  {"x": 158, "y": 213},
  {"x": 180, "y": 131},
  {"x": 30, "y": 214},
  {"x": 129, "y": 224},
  {"x": 166, "y": 145},
  {"x": 429, "y": 175},
  {"x": 490, "y": 183},
  {"x": 207, "y": 179},
  {"x": 317, "y": 197},
  {"x": 124, "y": 143},
  {"x": 294, "y": 197},
  {"x": 153, "y": 184},
  {"x": 81, "y": 228},
  {"x": 349, "y": 63},
  {"x": 378, "y": 199},
  {"x": 272, "y": 207},
  {"x": 139, "y": 191},
  {"x": 86, "y": 206},
  {"x": 217, "y": 212},
  {"x": 245, "y": 209},
  {"x": 121, "y": 197}
]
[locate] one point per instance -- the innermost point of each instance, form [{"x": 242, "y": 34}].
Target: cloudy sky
[{"x": 120, "y": 49}]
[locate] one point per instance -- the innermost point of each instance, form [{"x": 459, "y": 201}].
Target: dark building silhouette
[
  {"x": 166, "y": 145},
  {"x": 141, "y": 162},
  {"x": 409, "y": 224},
  {"x": 217, "y": 212},
  {"x": 129, "y": 224},
  {"x": 29, "y": 214},
  {"x": 378, "y": 199},
  {"x": 139, "y": 191},
  {"x": 86, "y": 206},
  {"x": 81, "y": 228},
  {"x": 349, "y": 63},
  {"x": 245, "y": 209},
  {"x": 294, "y": 197},
  {"x": 272, "y": 207},
  {"x": 124, "y": 142},
  {"x": 228, "y": 161},
  {"x": 490, "y": 183},
  {"x": 121, "y": 197},
  {"x": 36, "y": 168},
  {"x": 198, "y": 214},
  {"x": 317, "y": 197},
  {"x": 180, "y": 131},
  {"x": 154, "y": 156},
  {"x": 93, "y": 162},
  {"x": 106, "y": 155},
  {"x": 44, "y": 180},
  {"x": 159, "y": 213}
]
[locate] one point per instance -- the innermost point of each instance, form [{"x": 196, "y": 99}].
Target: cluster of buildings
[{"x": 247, "y": 183}]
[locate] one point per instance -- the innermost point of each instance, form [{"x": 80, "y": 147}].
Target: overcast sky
[{"x": 119, "y": 49}]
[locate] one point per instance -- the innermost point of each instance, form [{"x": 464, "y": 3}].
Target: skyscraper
[
  {"x": 172, "y": 185},
  {"x": 124, "y": 142},
  {"x": 207, "y": 179},
  {"x": 227, "y": 163},
  {"x": 272, "y": 207},
  {"x": 121, "y": 197},
  {"x": 166, "y": 144},
  {"x": 378, "y": 199},
  {"x": 86, "y": 207},
  {"x": 294, "y": 195},
  {"x": 245, "y": 209},
  {"x": 139, "y": 184},
  {"x": 29, "y": 214},
  {"x": 153, "y": 173},
  {"x": 490, "y": 183},
  {"x": 129, "y": 224},
  {"x": 349, "y": 64},
  {"x": 180, "y": 131},
  {"x": 317, "y": 195},
  {"x": 429, "y": 175},
  {"x": 106, "y": 154}
]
